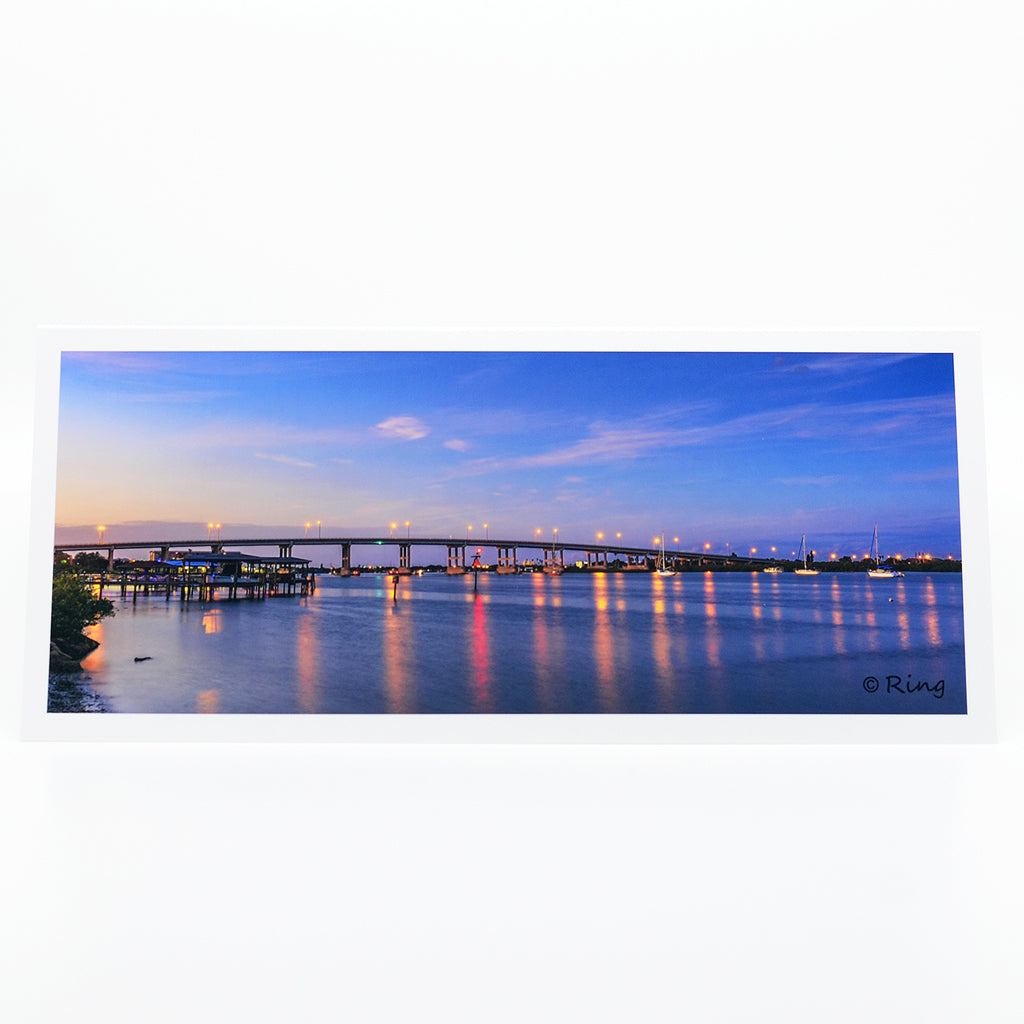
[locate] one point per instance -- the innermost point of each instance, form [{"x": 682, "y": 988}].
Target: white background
[{"x": 540, "y": 166}]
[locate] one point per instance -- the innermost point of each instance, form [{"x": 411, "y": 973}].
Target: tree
[
  {"x": 73, "y": 607},
  {"x": 90, "y": 561}
]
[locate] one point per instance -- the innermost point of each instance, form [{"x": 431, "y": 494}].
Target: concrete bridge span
[{"x": 460, "y": 551}]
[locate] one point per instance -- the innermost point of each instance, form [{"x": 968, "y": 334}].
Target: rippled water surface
[{"x": 578, "y": 643}]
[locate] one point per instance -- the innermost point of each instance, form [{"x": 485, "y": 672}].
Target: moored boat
[
  {"x": 803, "y": 555},
  {"x": 661, "y": 568},
  {"x": 880, "y": 572}
]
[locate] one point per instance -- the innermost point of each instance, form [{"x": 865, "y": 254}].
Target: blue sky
[{"x": 736, "y": 450}]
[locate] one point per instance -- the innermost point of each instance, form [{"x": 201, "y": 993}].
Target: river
[{"x": 580, "y": 643}]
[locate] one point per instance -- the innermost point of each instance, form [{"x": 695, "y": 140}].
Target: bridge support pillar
[
  {"x": 553, "y": 558},
  {"x": 456, "y": 559},
  {"x": 346, "y": 557},
  {"x": 284, "y": 550},
  {"x": 405, "y": 558},
  {"x": 506, "y": 560},
  {"x": 110, "y": 558}
]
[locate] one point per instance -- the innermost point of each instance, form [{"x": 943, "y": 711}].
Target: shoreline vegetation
[{"x": 73, "y": 607}]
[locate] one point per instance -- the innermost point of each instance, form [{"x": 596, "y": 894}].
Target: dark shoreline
[
  {"x": 70, "y": 692},
  {"x": 68, "y": 686}
]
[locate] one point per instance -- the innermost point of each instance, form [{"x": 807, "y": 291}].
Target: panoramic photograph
[{"x": 507, "y": 533}]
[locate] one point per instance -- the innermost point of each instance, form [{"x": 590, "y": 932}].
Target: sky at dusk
[{"x": 736, "y": 450}]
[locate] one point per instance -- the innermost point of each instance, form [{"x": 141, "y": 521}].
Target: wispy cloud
[
  {"x": 909, "y": 420},
  {"x": 456, "y": 445},
  {"x": 838, "y": 369},
  {"x": 607, "y": 445},
  {"x": 287, "y": 460},
  {"x": 403, "y": 428},
  {"x": 873, "y": 423}
]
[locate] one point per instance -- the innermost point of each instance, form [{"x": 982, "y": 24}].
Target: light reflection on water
[
  {"x": 662, "y": 648},
  {"x": 604, "y": 650},
  {"x": 579, "y": 643},
  {"x": 837, "y": 616},
  {"x": 713, "y": 637},
  {"x": 932, "y": 618},
  {"x": 306, "y": 666},
  {"x": 394, "y": 653},
  {"x": 208, "y": 702},
  {"x": 483, "y": 697}
]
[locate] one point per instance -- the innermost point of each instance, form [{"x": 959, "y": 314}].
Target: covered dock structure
[{"x": 206, "y": 576}]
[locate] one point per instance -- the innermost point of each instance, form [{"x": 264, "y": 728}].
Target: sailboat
[
  {"x": 803, "y": 555},
  {"x": 661, "y": 567},
  {"x": 880, "y": 572}
]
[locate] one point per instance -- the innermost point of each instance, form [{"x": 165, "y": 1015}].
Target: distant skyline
[{"x": 736, "y": 450}]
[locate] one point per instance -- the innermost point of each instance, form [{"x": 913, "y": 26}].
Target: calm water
[{"x": 626, "y": 643}]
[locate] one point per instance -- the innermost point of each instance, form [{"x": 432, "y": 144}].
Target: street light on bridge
[
  {"x": 307, "y": 529},
  {"x": 318, "y": 529},
  {"x": 99, "y": 532},
  {"x": 407, "y": 529}
]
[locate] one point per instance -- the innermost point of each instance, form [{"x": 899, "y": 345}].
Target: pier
[{"x": 204, "y": 576}]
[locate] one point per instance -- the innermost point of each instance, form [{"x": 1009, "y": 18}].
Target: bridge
[{"x": 597, "y": 555}]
